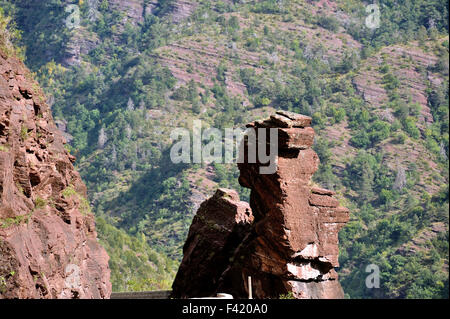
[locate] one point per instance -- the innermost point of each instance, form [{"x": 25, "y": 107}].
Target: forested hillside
[{"x": 132, "y": 70}]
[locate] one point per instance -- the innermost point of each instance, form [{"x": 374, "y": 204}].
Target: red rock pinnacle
[{"x": 292, "y": 243}]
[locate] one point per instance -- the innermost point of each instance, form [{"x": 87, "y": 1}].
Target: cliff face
[
  {"x": 291, "y": 241},
  {"x": 48, "y": 242}
]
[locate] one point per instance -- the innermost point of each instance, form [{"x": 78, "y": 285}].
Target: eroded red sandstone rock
[
  {"x": 48, "y": 242},
  {"x": 292, "y": 244},
  {"x": 220, "y": 225}
]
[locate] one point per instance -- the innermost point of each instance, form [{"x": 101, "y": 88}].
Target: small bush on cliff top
[
  {"x": 40, "y": 202},
  {"x": 23, "y": 133},
  {"x": 84, "y": 205},
  {"x": 10, "y": 221},
  {"x": 69, "y": 191}
]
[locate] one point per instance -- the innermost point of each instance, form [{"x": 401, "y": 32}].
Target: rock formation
[
  {"x": 220, "y": 224},
  {"x": 290, "y": 240},
  {"x": 48, "y": 242}
]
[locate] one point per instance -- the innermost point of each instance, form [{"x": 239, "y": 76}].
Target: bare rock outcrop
[
  {"x": 48, "y": 242},
  {"x": 219, "y": 226},
  {"x": 182, "y": 9},
  {"x": 291, "y": 245}
]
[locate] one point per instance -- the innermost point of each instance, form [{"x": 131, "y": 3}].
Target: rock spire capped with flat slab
[{"x": 290, "y": 243}]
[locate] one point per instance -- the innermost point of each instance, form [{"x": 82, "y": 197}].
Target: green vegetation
[
  {"x": 23, "y": 133},
  {"x": 84, "y": 205},
  {"x": 420, "y": 273},
  {"x": 328, "y": 22},
  {"x": 9, "y": 36},
  {"x": 289, "y": 295},
  {"x": 40, "y": 203},
  {"x": 399, "y": 21},
  {"x": 135, "y": 266},
  {"x": 14, "y": 221}
]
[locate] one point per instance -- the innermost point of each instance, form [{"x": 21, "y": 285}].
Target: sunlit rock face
[
  {"x": 291, "y": 239},
  {"x": 48, "y": 242}
]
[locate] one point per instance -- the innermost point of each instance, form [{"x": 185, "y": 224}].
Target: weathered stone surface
[
  {"x": 297, "y": 120},
  {"x": 48, "y": 242},
  {"x": 323, "y": 200},
  {"x": 322, "y": 191},
  {"x": 292, "y": 244},
  {"x": 330, "y": 289},
  {"x": 220, "y": 224},
  {"x": 182, "y": 9},
  {"x": 295, "y": 138}
]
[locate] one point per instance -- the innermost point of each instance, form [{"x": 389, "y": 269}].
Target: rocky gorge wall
[
  {"x": 48, "y": 241},
  {"x": 287, "y": 240}
]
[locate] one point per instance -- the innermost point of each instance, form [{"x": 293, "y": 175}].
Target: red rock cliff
[
  {"x": 48, "y": 242},
  {"x": 291, "y": 244}
]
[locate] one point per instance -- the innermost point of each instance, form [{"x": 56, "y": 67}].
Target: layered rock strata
[
  {"x": 48, "y": 241},
  {"x": 291, "y": 245}
]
